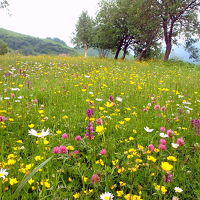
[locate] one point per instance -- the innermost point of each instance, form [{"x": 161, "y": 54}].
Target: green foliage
[
  {"x": 84, "y": 29},
  {"x": 3, "y": 48},
  {"x": 28, "y": 45}
]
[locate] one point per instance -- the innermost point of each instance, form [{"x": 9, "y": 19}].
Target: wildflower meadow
[{"x": 89, "y": 128}]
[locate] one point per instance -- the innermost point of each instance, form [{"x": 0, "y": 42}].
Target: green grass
[{"x": 55, "y": 92}]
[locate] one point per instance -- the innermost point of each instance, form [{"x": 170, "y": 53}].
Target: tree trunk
[
  {"x": 117, "y": 52},
  {"x": 168, "y": 38},
  {"x": 86, "y": 50},
  {"x": 119, "y": 48},
  {"x": 125, "y": 52},
  {"x": 168, "y": 49},
  {"x": 142, "y": 54}
]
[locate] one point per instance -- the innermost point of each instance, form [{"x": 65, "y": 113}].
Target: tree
[
  {"x": 4, "y": 3},
  {"x": 84, "y": 31},
  {"x": 177, "y": 18},
  {"x": 3, "y": 48}
]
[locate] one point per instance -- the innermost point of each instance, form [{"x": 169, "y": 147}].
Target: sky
[{"x": 46, "y": 18}]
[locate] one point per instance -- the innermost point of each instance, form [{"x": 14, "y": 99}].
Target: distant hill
[{"x": 29, "y": 45}]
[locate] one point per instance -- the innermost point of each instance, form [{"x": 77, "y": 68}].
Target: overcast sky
[{"x": 46, "y": 18}]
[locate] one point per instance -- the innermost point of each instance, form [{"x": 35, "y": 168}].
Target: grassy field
[{"x": 75, "y": 128}]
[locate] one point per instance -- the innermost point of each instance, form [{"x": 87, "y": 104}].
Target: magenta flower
[
  {"x": 89, "y": 112},
  {"x": 111, "y": 98},
  {"x": 151, "y": 147},
  {"x": 163, "y": 108},
  {"x": 78, "y": 138},
  {"x": 157, "y": 107},
  {"x": 162, "y": 147},
  {"x": 95, "y": 178},
  {"x": 65, "y": 135},
  {"x": 168, "y": 177},
  {"x": 56, "y": 150},
  {"x": 170, "y": 133},
  {"x": 163, "y": 141},
  {"x": 99, "y": 121},
  {"x": 63, "y": 149},
  {"x": 3, "y": 119},
  {"x": 60, "y": 150},
  {"x": 162, "y": 129},
  {"x": 103, "y": 151},
  {"x": 196, "y": 125},
  {"x": 180, "y": 141}
]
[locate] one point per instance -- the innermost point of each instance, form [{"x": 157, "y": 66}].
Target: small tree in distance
[
  {"x": 3, "y": 48},
  {"x": 84, "y": 32}
]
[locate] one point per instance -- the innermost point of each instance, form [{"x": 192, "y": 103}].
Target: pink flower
[
  {"x": 162, "y": 129},
  {"x": 3, "y": 119},
  {"x": 78, "y": 138},
  {"x": 163, "y": 141},
  {"x": 65, "y": 135},
  {"x": 162, "y": 147},
  {"x": 12, "y": 95},
  {"x": 56, "y": 150},
  {"x": 95, "y": 178},
  {"x": 170, "y": 133},
  {"x": 76, "y": 152},
  {"x": 180, "y": 141},
  {"x": 163, "y": 108},
  {"x": 157, "y": 107},
  {"x": 63, "y": 149},
  {"x": 99, "y": 121},
  {"x": 168, "y": 177},
  {"x": 103, "y": 151},
  {"x": 151, "y": 147}
]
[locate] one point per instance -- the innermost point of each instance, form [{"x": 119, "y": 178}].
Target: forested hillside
[{"x": 29, "y": 45}]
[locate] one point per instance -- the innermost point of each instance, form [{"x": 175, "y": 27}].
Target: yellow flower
[
  {"x": 70, "y": 148},
  {"x": 121, "y": 183},
  {"x": 38, "y": 158},
  {"x": 100, "y": 161},
  {"x": 31, "y": 125},
  {"x": 45, "y": 183},
  {"x": 127, "y": 119},
  {"x": 58, "y": 131},
  {"x": 41, "y": 111},
  {"x": 114, "y": 162},
  {"x": 30, "y": 181},
  {"x": 11, "y": 162},
  {"x": 84, "y": 179},
  {"x": 13, "y": 181},
  {"x": 151, "y": 158},
  {"x": 76, "y": 195},
  {"x": 163, "y": 189},
  {"x": 99, "y": 129},
  {"x": 166, "y": 166},
  {"x": 121, "y": 170},
  {"x": 120, "y": 193},
  {"x": 172, "y": 158}
]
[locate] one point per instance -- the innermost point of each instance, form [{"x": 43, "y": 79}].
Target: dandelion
[
  {"x": 107, "y": 196},
  {"x": 3, "y": 173}
]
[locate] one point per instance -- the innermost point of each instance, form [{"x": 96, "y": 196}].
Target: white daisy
[
  {"x": 119, "y": 99},
  {"x": 107, "y": 196},
  {"x": 147, "y": 129},
  {"x": 3, "y": 173},
  {"x": 174, "y": 145},
  {"x": 178, "y": 189},
  {"x": 163, "y": 135},
  {"x": 35, "y": 133}
]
